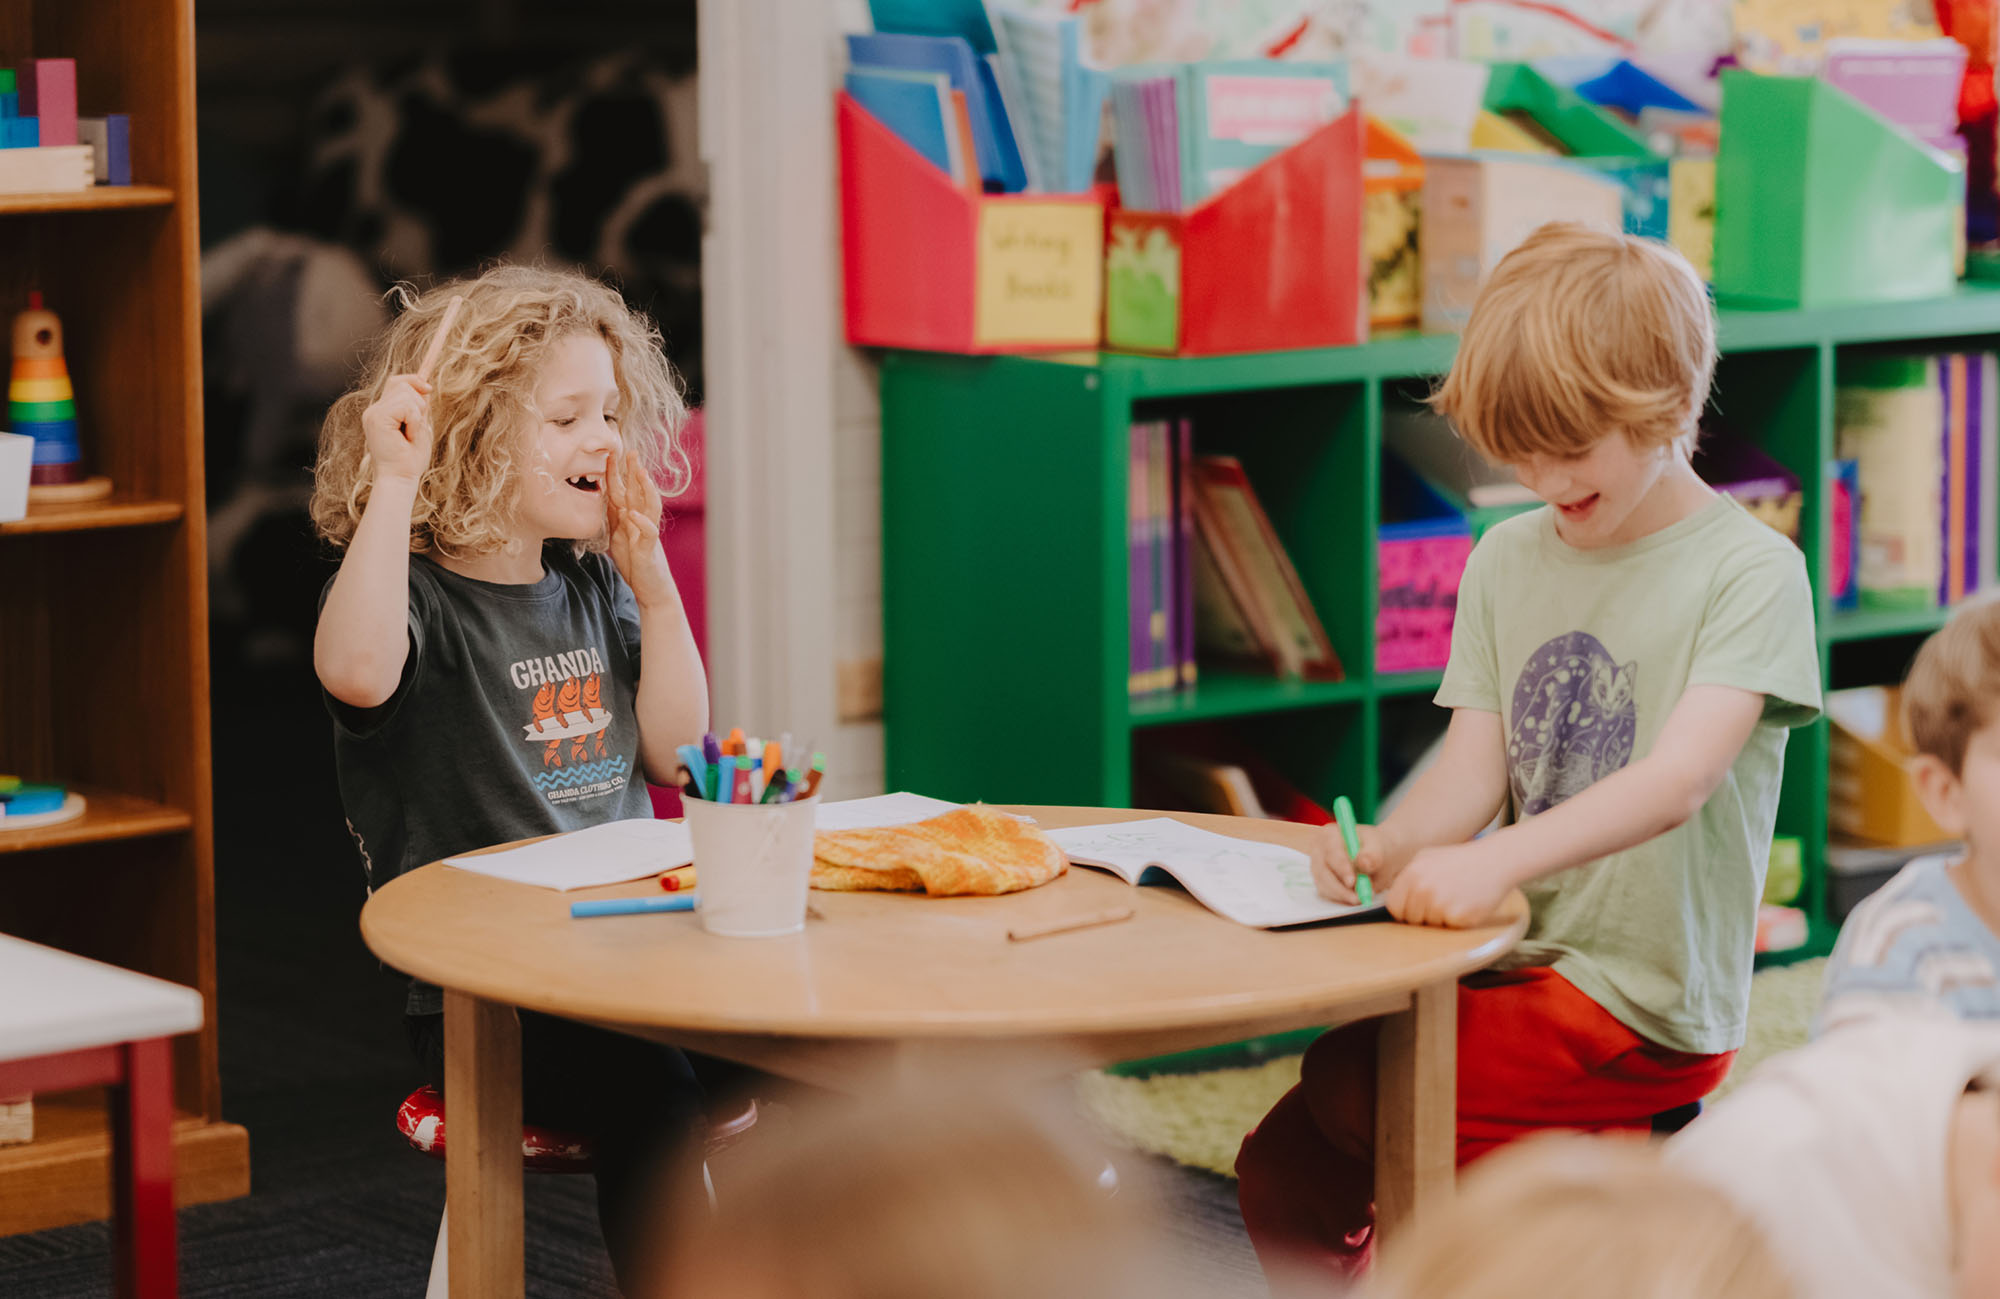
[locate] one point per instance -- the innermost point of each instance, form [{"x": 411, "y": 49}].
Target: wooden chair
[{"x": 420, "y": 1119}]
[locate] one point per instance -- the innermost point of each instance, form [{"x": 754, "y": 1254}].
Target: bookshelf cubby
[
  {"x": 1004, "y": 551},
  {"x": 103, "y": 607}
]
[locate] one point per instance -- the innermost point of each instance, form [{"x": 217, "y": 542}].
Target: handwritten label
[{"x": 1041, "y": 274}]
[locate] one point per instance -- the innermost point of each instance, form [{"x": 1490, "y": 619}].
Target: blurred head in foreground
[
  {"x": 1563, "y": 1217},
  {"x": 918, "y": 1199}
]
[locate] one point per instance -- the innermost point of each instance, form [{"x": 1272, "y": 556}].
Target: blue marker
[
  {"x": 725, "y": 779},
  {"x": 631, "y": 906},
  {"x": 697, "y": 765}
]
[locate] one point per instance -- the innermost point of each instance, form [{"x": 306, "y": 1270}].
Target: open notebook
[{"x": 1263, "y": 885}]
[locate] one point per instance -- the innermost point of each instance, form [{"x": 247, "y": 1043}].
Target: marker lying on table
[
  {"x": 1350, "y": 835},
  {"x": 631, "y": 906}
]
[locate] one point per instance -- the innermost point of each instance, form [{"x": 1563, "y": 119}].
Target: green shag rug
[{"x": 1199, "y": 1119}]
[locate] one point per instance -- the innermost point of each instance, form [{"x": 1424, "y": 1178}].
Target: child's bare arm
[
  {"x": 1703, "y": 735},
  {"x": 673, "y": 685},
  {"x": 1449, "y": 803},
  {"x": 363, "y": 636}
]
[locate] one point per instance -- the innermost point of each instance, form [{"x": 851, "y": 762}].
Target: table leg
[
  {"x": 142, "y": 1155},
  {"x": 1416, "y": 1108},
  {"x": 482, "y": 1149}
]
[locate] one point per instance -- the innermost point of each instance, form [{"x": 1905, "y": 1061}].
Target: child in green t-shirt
[{"x": 1624, "y": 665}]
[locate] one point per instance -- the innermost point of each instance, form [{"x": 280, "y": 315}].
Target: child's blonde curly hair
[{"x": 482, "y": 403}]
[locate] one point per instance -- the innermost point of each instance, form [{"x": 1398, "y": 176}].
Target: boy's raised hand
[
  {"x": 632, "y": 518},
  {"x": 397, "y": 428},
  {"x": 1333, "y": 872}
]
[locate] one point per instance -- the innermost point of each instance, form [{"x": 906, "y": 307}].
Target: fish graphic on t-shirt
[
  {"x": 545, "y": 711},
  {"x": 593, "y": 704}
]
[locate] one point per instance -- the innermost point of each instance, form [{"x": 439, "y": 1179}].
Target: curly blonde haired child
[
  {"x": 492, "y": 484},
  {"x": 482, "y": 389}
]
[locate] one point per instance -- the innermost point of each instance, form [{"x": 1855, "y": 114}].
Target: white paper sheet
[
  {"x": 1259, "y": 884},
  {"x": 883, "y": 809},
  {"x": 611, "y": 853}
]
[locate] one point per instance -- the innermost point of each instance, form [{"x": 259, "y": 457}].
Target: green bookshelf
[{"x": 1004, "y": 550}]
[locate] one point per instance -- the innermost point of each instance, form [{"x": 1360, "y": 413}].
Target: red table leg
[{"x": 142, "y": 1153}]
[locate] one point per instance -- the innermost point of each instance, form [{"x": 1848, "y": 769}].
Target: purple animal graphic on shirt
[{"x": 1574, "y": 721}]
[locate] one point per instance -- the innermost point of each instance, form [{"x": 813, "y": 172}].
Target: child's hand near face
[
  {"x": 397, "y": 427},
  {"x": 632, "y": 515}
]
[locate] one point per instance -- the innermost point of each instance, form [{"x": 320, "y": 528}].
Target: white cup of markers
[
  {"x": 752, "y": 833},
  {"x": 740, "y": 770}
]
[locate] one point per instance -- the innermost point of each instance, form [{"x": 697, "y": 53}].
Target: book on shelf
[
  {"x": 1742, "y": 471},
  {"x": 997, "y": 157},
  {"x": 1258, "y": 575},
  {"x": 1262, "y": 885},
  {"x": 1170, "y": 778},
  {"x": 1187, "y": 131},
  {"x": 1924, "y": 433},
  {"x": 1061, "y": 99},
  {"x": 922, "y": 109},
  {"x": 1159, "y": 531}
]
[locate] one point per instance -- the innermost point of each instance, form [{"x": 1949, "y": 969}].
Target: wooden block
[
  {"x": 20, "y": 133},
  {"x": 46, "y": 171},
  {"x": 48, "y": 91},
  {"x": 17, "y": 1120},
  {"x": 110, "y": 140}
]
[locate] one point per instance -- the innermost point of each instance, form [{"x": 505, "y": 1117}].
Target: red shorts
[{"x": 1534, "y": 1053}]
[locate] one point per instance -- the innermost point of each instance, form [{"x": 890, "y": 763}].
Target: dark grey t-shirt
[{"x": 514, "y": 717}]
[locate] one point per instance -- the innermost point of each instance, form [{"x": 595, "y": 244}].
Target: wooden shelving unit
[
  {"x": 1005, "y": 551},
  {"x": 110, "y": 513},
  {"x": 104, "y": 605}
]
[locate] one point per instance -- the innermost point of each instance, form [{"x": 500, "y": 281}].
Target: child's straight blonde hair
[
  {"x": 1580, "y": 333},
  {"x": 1575, "y": 1215},
  {"x": 482, "y": 403},
  {"x": 1953, "y": 689}
]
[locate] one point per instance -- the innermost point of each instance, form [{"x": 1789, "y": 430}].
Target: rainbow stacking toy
[{"x": 40, "y": 402}]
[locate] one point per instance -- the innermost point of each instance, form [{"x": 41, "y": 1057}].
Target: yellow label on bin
[{"x": 1039, "y": 276}]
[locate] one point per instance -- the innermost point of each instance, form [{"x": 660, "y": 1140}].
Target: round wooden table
[{"x": 878, "y": 983}]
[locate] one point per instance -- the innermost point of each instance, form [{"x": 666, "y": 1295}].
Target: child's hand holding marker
[{"x": 1348, "y": 858}]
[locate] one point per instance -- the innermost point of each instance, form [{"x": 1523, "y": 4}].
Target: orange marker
[
  {"x": 818, "y": 770},
  {"x": 774, "y": 760},
  {"x": 734, "y": 744}
]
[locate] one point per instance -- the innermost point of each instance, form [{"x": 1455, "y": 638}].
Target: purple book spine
[
  {"x": 1184, "y": 550},
  {"x": 1140, "y": 578},
  {"x": 1975, "y": 520}
]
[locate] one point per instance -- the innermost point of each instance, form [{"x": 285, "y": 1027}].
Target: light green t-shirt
[{"x": 1584, "y": 653}]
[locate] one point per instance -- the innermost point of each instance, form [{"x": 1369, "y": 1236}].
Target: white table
[{"x": 68, "y": 1022}]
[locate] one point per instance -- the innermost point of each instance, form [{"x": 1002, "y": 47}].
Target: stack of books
[
  {"x": 1001, "y": 102},
  {"x": 1184, "y": 132},
  {"x": 1208, "y": 576},
  {"x": 1924, "y": 433}
]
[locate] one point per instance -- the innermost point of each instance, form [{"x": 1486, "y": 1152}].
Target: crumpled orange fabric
[{"x": 973, "y": 850}]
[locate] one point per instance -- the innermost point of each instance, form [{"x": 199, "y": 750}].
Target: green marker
[{"x": 1343, "y": 812}]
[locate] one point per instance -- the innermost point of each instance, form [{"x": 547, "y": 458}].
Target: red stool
[{"x": 420, "y": 1119}]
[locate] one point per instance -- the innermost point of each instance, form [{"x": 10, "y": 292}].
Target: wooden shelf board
[
  {"x": 113, "y": 512},
  {"x": 104, "y": 198},
  {"x": 1873, "y": 624},
  {"x": 106, "y": 816},
  {"x": 63, "y": 1176},
  {"x": 1238, "y": 694}
]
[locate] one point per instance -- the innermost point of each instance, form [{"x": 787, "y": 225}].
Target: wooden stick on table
[{"x": 1109, "y": 916}]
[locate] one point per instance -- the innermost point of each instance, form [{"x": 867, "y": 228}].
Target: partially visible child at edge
[
  {"x": 480, "y": 646},
  {"x": 1624, "y": 665},
  {"x": 1932, "y": 934}
]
